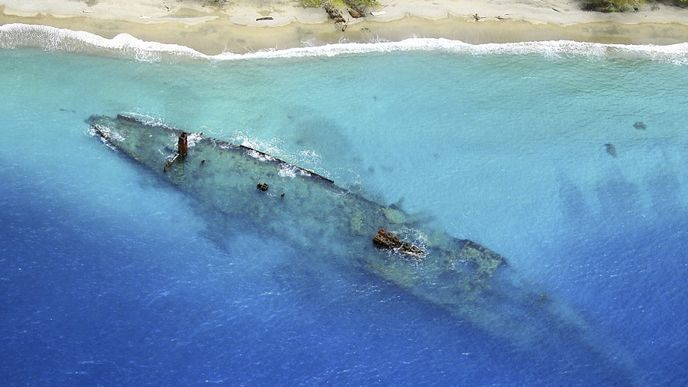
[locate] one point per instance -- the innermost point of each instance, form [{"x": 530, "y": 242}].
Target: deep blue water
[{"x": 110, "y": 276}]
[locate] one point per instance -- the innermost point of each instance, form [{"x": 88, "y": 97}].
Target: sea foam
[{"x": 19, "y": 35}]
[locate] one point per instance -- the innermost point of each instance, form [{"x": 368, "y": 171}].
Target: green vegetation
[
  {"x": 311, "y": 3},
  {"x": 340, "y": 3},
  {"x": 624, "y": 5},
  {"x": 611, "y": 5},
  {"x": 366, "y": 3}
]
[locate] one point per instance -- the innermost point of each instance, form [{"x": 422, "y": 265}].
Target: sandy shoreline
[{"x": 212, "y": 30}]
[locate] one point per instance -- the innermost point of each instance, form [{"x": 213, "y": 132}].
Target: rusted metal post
[{"x": 183, "y": 145}]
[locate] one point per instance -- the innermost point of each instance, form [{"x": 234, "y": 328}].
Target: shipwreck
[{"x": 463, "y": 277}]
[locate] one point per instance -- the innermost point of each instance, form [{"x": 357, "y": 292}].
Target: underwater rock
[
  {"x": 393, "y": 215},
  {"x": 640, "y": 125},
  {"x": 263, "y": 187},
  {"x": 611, "y": 149}
]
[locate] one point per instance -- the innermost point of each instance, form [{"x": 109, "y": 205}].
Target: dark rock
[
  {"x": 611, "y": 149},
  {"x": 355, "y": 14},
  {"x": 263, "y": 187},
  {"x": 640, "y": 125},
  {"x": 357, "y": 6},
  {"x": 333, "y": 13}
]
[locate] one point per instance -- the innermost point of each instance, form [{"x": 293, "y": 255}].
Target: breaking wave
[{"x": 56, "y": 39}]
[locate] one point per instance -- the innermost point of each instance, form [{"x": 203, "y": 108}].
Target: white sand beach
[{"x": 234, "y": 27}]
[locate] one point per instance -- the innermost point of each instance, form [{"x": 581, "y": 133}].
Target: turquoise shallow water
[{"x": 103, "y": 284}]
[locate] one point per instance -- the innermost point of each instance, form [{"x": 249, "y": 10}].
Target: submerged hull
[{"x": 468, "y": 280}]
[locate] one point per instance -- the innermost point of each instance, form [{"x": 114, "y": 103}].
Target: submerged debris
[
  {"x": 486, "y": 260},
  {"x": 640, "y": 125},
  {"x": 543, "y": 297},
  {"x": 389, "y": 241},
  {"x": 263, "y": 187},
  {"x": 169, "y": 163}
]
